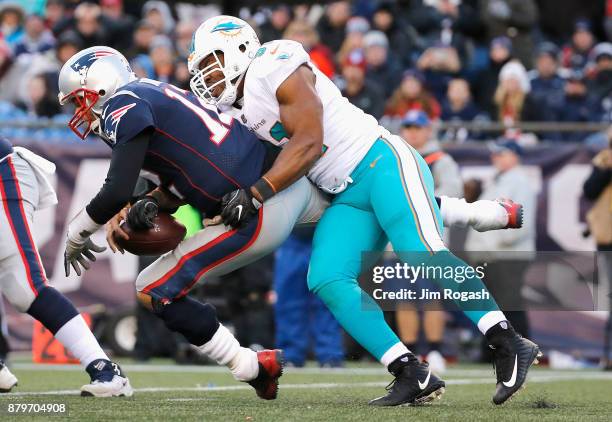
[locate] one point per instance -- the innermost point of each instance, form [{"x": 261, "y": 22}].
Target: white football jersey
[{"x": 348, "y": 132}]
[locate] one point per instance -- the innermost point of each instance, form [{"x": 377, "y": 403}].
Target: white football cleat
[
  {"x": 107, "y": 380},
  {"x": 117, "y": 387},
  {"x": 436, "y": 361},
  {"x": 7, "y": 379}
]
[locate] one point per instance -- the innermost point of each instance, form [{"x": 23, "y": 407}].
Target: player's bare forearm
[
  {"x": 293, "y": 162},
  {"x": 301, "y": 115}
]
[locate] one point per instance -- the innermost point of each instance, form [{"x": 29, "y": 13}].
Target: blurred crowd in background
[
  {"x": 505, "y": 61},
  {"x": 412, "y": 64}
]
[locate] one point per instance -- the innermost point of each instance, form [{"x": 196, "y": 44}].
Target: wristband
[
  {"x": 81, "y": 227},
  {"x": 265, "y": 188}
]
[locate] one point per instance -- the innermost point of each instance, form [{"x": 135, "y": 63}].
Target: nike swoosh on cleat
[
  {"x": 423, "y": 385},
  {"x": 512, "y": 380},
  {"x": 239, "y": 211}
]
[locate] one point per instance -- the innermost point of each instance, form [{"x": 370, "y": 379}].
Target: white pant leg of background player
[{"x": 75, "y": 335}]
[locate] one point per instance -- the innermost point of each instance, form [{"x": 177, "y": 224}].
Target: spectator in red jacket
[
  {"x": 412, "y": 95},
  {"x": 576, "y": 54}
]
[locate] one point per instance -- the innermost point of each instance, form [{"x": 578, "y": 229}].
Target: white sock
[
  {"x": 489, "y": 319},
  {"x": 76, "y": 336},
  {"x": 224, "y": 349},
  {"x": 482, "y": 215},
  {"x": 397, "y": 350},
  {"x": 455, "y": 211}
]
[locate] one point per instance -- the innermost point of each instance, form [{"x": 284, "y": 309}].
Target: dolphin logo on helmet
[{"x": 228, "y": 27}]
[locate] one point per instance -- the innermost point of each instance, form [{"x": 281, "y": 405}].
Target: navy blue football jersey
[
  {"x": 5, "y": 147},
  {"x": 195, "y": 152}
]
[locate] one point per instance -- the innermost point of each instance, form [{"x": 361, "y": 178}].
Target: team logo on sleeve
[{"x": 112, "y": 121}]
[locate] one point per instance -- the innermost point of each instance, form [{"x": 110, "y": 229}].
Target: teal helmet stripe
[{"x": 192, "y": 43}]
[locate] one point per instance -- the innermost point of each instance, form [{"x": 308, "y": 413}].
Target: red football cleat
[
  {"x": 515, "y": 213},
  {"x": 271, "y": 364}
]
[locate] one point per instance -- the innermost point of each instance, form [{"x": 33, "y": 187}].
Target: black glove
[
  {"x": 142, "y": 213},
  {"x": 238, "y": 207}
]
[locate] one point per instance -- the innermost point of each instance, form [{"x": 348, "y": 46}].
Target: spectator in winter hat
[
  {"x": 382, "y": 65},
  {"x": 512, "y": 99},
  {"x": 11, "y": 22},
  {"x": 576, "y": 54},
  {"x": 546, "y": 83},
  {"x": 367, "y": 96},
  {"x": 356, "y": 28},
  {"x": 333, "y": 23},
  {"x": 404, "y": 41},
  {"x": 36, "y": 38},
  {"x": 500, "y": 53},
  {"x": 412, "y": 95},
  {"x": 276, "y": 24},
  {"x": 159, "y": 15}
]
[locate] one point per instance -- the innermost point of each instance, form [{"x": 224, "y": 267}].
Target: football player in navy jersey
[{"x": 195, "y": 156}]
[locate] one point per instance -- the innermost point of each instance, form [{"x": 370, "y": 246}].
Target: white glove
[
  {"x": 79, "y": 246},
  {"x": 76, "y": 254}
]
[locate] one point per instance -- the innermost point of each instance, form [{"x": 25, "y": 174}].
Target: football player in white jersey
[
  {"x": 383, "y": 191},
  {"x": 24, "y": 189}
]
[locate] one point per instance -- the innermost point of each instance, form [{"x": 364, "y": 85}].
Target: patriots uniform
[{"x": 196, "y": 153}]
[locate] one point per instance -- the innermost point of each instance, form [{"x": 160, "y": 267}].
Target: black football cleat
[
  {"x": 271, "y": 364},
  {"x": 414, "y": 384},
  {"x": 512, "y": 357}
]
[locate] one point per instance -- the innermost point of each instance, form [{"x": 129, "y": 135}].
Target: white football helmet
[
  {"x": 238, "y": 42},
  {"x": 89, "y": 79}
]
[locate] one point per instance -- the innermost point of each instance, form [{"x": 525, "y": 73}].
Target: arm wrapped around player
[{"x": 238, "y": 207}]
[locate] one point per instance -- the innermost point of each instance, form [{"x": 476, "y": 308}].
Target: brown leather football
[{"x": 164, "y": 237}]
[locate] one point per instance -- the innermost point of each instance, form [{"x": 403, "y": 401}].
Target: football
[{"x": 164, "y": 237}]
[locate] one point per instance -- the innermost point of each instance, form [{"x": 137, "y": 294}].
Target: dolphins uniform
[
  {"x": 383, "y": 192},
  {"x": 349, "y": 132}
]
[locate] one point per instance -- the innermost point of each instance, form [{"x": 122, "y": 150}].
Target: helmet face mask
[
  {"x": 84, "y": 100},
  {"x": 238, "y": 43},
  {"x": 206, "y": 81}
]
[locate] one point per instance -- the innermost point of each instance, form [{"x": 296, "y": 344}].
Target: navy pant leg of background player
[{"x": 300, "y": 315}]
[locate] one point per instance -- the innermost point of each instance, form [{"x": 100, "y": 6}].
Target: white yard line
[
  {"x": 212, "y": 369},
  {"x": 465, "y": 381}
]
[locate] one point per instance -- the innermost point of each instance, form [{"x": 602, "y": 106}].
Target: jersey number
[{"x": 218, "y": 130}]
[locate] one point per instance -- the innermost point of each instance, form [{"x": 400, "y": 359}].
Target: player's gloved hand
[
  {"x": 80, "y": 253},
  {"x": 238, "y": 207},
  {"x": 142, "y": 213}
]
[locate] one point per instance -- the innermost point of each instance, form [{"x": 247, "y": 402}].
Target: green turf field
[{"x": 186, "y": 393}]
